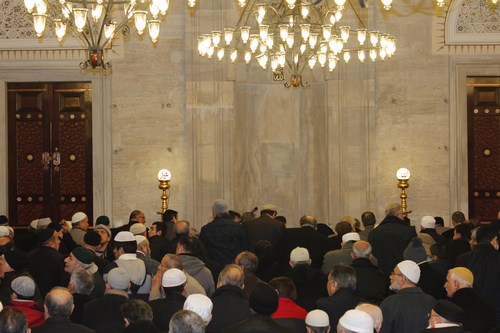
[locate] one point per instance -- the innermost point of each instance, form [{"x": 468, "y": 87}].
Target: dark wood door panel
[
  {"x": 484, "y": 147},
  {"x": 50, "y": 150}
]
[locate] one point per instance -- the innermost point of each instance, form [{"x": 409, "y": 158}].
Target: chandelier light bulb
[
  {"x": 361, "y": 36},
  {"x": 262, "y": 60},
  {"x": 154, "y": 9},
  {"x": 322, "y": 59},
  {"x": 97, "y": 12},
  {"x": 30, "y": 5},
  {"x": 140, "y": 20},
  {"x": 270, "y": 41},
  {"x": 374, "y": 38},
  {"x": 220, "y": 54},
  {"x": 333, "y": 20},
  {"x": 387, "y": 4},
  {"x": 262, "y": 48},
  {"x": 67, "y": 9},
  {"x": 233, "y": 56},
  {"x": 284, "y": 32},
  {"x": 248, "y": 57},
  {"x": 241, "y": 3},
  {"x": 361, "y": 56},
  {"x": 290, "y": 41},
  {"x": 261, "y": 11},
  {"x": 60, "y": 28},
  {"x": 373, "y": 55},
  {"x": 109, "y": 30},
  {"x": 228, "y": 35},
  {"x": 154, "y": 30},
  {"x": 312, "y": 61},
  {"x": 281, "y": 59},
  {"x": 216, "y": 35},
  {"x": 303, "y": 48},
  {"x": 163, "y": 5},
  {"x": 304, "y": 11},
  {"x": 274, "y": 63},
  {"x": 382, "y": 54},
  {"x": 39, "y": 23},
  {"x": 80, "y": 18},
  {"x": 327, "y": 31},
  {"x": 210, "y": 51},
  {"x": 291, "y": 3},
  {"x": 347, "y": 57},
  {"x": 338, "y": 15},
  {"x": 332, "y": 62},
  {"x": 313, "y": 40},
  {"x": 263, "y": 30},
  {"x": 383, "y": 40},
  {"x": 254, "y": 43},
  {"x": 344, "y": 33},
  {"x": 245, "y": 34},
  {"x": 305, "y": 29},
  {"x": 41, "y": 7},
  {"x": 191, "y": 3}
]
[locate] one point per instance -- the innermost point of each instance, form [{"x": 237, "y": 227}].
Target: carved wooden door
[
  {"x": 50, "y": 150},
  {"x": 483, "y": 99}
]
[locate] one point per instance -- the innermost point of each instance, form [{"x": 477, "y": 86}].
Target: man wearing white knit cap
[
  {"x": 355, "y": 321},
  {"x": 428, "y": 226},
  {"x": 407, "y": 310},
  {"x": 80, "y": 223}
]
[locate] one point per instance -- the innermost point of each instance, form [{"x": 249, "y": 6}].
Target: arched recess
[{"x": 101, "y": 122}]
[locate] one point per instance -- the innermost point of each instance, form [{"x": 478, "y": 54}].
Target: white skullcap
[
  {"x": 317, "y": 318},
  {"x": 428, "y": 222},
  {"x": 77, "y": 217},
  {"x": 350, "y": 236},
  {"x": 299, "y": 254},
  {"x": 201, "y": 305},
  {"x": 410, "y": 269},
  {"x": 357, "y": 321}
]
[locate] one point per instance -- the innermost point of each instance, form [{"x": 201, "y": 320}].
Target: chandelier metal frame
[{"x": 292, "y": 35}]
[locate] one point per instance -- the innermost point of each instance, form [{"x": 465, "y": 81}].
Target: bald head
[
  {"x": 231, "y": 275},
  {"x": 58, "y": 303},
  {"x": 182, "y": 228},
  {"x": 361, "y": 249}
]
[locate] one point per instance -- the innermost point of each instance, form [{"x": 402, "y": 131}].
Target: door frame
[
  {"x": 459, "y": 177},
  {"x": 101, "y": 124}
]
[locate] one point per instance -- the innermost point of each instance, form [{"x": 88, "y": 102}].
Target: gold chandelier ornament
[
  {"x": 95, "y": 22},
  {"x": 293, "y": 35}
]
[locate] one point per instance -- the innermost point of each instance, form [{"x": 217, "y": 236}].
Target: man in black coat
[
  {"x": 341, "y": 285},
  {"x": 230, "y": 304},
  {"x": 263, "y": 302},
  {"x": 390, "y": 238},
  {"x": 45, "y": 263},
  {"x": 264, "y": 227},
  {"x": 371, "y": 283},
  {"x": 484, "y": 262},
  {"x": 479, "y": 314},
  {"x": 310, "y": 282},
  {"x": 446, "y": 317},
  {"x": 223, "y": 238},
  {"x": 103, "y": 314},
  {"x": 173, "y": 283},
  {"x": 58, "y": 307},
  {"x": 305, "y": 236}
]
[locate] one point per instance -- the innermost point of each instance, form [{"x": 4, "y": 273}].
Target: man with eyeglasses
[
  {"x": 390, "y": 238},
  {"x": 407, "y": 310}
]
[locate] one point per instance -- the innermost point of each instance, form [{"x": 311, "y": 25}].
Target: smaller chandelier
[
  {"x": 293, "y": 35},
  {"x": 95, "y": 22}
]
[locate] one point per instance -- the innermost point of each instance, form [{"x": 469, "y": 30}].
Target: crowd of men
[{"x": 242, "y": 273}]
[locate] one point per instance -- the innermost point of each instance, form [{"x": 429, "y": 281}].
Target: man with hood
[
  {"x": 186, "y": 249},
  {"x": 125, "y": 252}
]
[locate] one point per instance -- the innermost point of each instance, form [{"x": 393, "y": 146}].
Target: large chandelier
[
  {"x": 293, "y": 35},
  {"x": 95, "y": 22}
]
